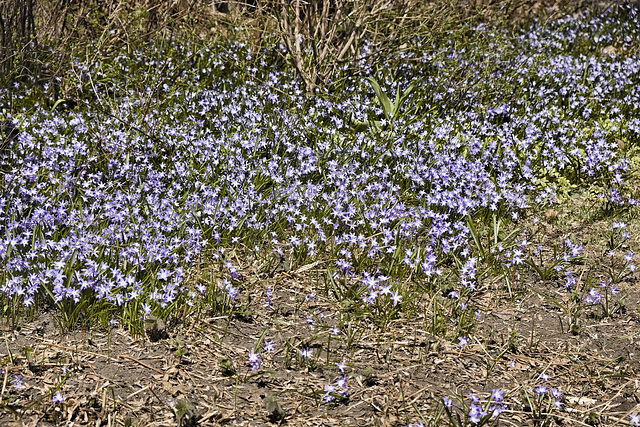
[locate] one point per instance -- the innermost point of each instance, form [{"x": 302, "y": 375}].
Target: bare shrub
[
  {"x": 17, "y": 28},
  {"x": 322, "y": 35}
]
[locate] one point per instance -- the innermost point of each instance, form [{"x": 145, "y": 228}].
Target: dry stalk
[{"x": 318, "y": 34}]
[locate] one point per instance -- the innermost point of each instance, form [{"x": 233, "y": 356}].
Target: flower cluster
[
  {"x": 339, "y": 390},
  {"x": 269, "y": 295},
  {"x": 123, "y": 209},
  {"x": 479, "y": 414},
  {"x": 254, "y": 360},
  {"x": 553, "y": 393},
  {"x": 94, "y": 207}
]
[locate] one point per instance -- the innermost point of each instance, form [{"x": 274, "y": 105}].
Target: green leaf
[
  {"x": 401, "y": 99},
  {"x": 387, "y": 106}
]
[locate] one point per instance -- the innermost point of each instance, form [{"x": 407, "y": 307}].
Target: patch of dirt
[
  {"x": 110, "y": 378},
  {"x": 198, "y": 372}
]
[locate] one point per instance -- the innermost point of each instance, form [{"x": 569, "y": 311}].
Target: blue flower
[
  {"x": 329, "y": 388},
  {"x": 269, "y": 346},
  {"x": 476, "y": 413},
  {"x": 18, "y": 382},
  {"x": 541, "y": 389},
  {"x": 497, "y": 395},
  {"x": 594, "y": 297},
  {"x": 269, "y": 295},
  {"x": 254, "y": 360},
  {"x": 396, "y": 297},
  {"x": 306, "y": 353},
  {"x": 448, "y": 402}
]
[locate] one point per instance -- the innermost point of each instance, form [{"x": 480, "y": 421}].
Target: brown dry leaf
[{"x": 582, "y": 401}]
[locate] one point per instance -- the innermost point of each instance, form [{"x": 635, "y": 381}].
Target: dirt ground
[{"x": 198, "y": 373}]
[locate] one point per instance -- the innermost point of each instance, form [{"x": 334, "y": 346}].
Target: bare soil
[{"x": 393, "y": 374}]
